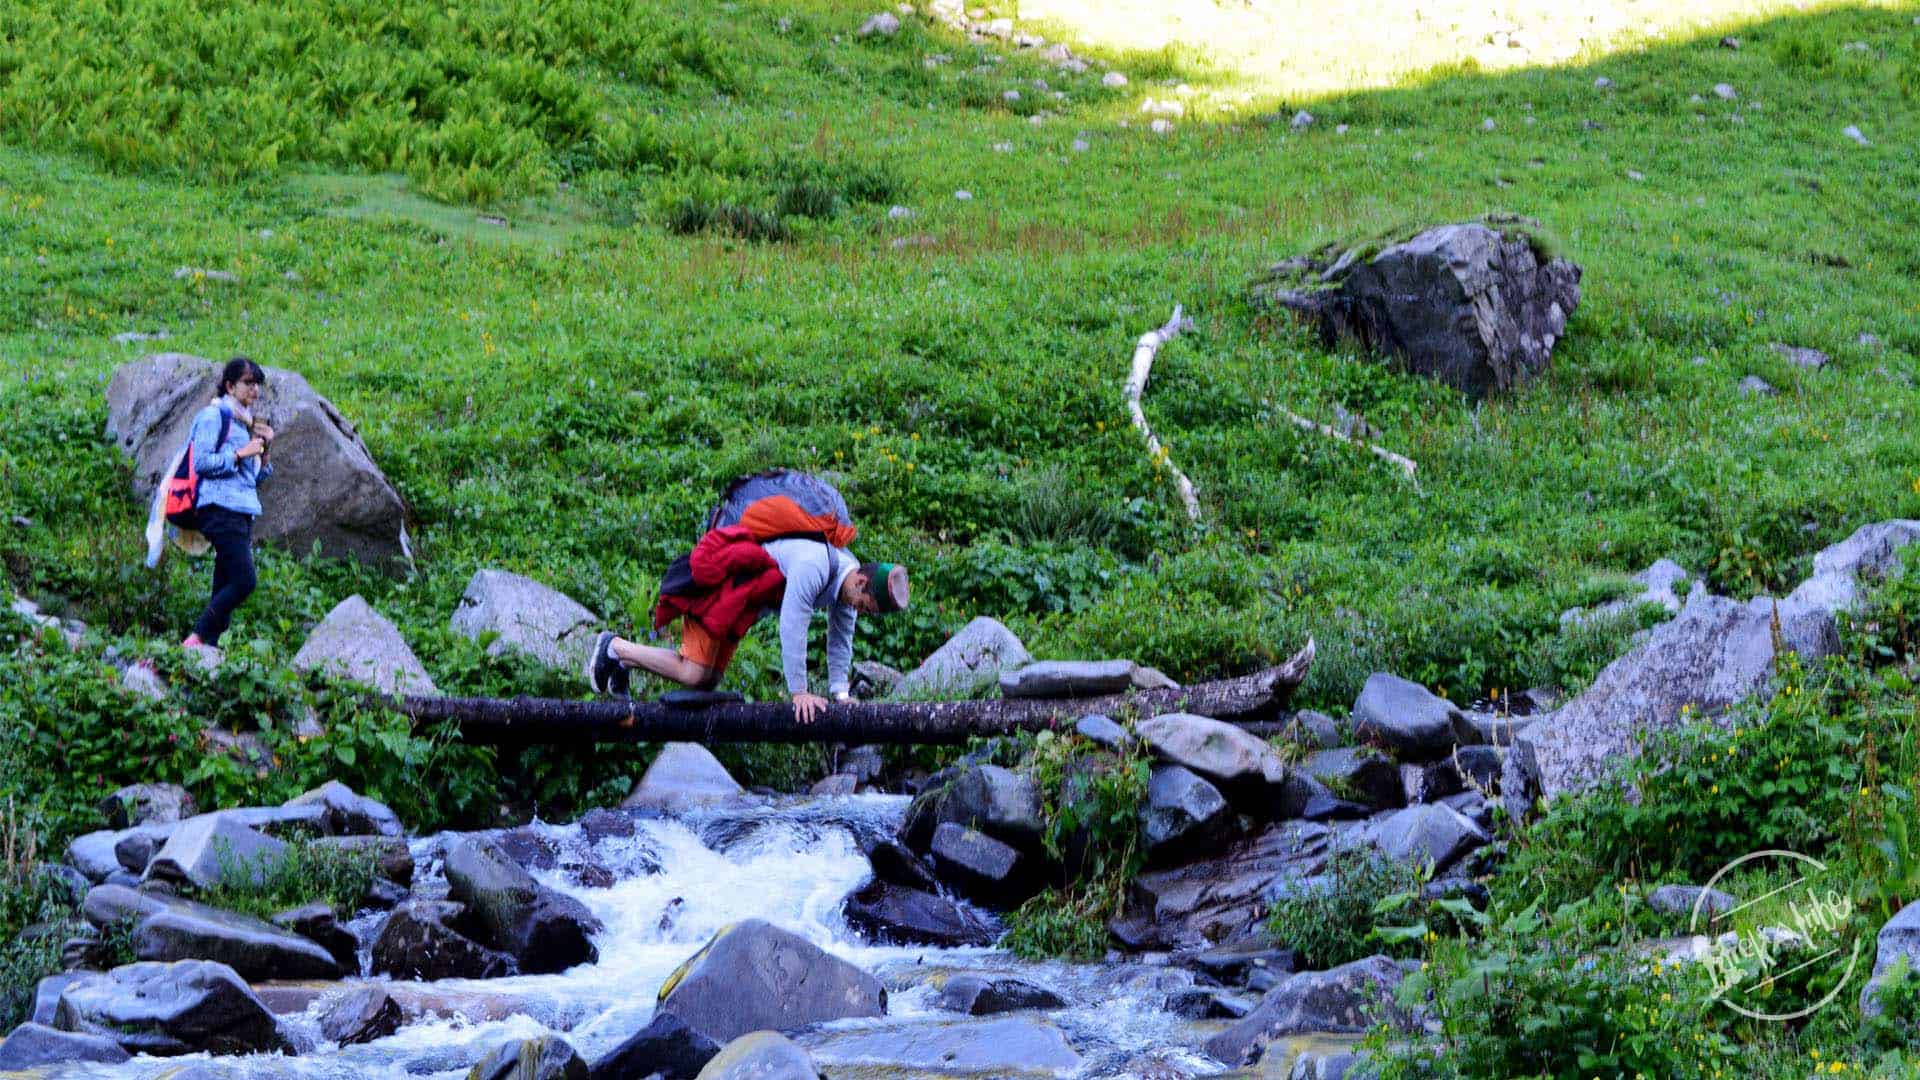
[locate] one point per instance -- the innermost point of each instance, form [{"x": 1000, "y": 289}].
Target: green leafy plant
[
  {"x": 1363, "y": 903},
  {"x": 1092, "y": 801},
  {"x": 299, "y": 874}
]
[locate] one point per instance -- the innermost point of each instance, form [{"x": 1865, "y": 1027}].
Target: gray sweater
[{"x": 814, "y": 573}]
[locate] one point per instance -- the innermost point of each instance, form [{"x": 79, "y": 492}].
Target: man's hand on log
[{"x": 807, "y": 706}]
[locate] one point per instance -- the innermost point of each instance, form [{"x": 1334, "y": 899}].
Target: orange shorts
[{"x": 703, "y": 648}]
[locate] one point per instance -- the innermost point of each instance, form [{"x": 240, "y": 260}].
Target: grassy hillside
[{"x": 557, "y": 380}]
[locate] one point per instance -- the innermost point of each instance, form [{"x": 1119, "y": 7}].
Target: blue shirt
[{"x": 225, "y": 480}]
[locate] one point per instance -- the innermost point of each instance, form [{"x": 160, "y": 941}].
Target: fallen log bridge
[{"x": 550, "y": 721}]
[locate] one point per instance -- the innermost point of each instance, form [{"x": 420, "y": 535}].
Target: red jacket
[{"x": 724, "y": 584}]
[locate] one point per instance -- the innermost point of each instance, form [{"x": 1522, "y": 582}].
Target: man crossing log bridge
[{"x": 777, "y": 539}]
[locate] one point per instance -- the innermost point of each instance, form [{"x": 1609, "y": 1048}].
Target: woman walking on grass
[{"x": 230, "y": 471}]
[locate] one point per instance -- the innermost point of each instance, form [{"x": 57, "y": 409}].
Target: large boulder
[
  {"x": 1184, "y": 813},
  {"x": 147, "y": 804},
  {"x": 1403, "y": 716},
  {"x": 344, "y": 812},
  {"x": 754, "y": 976},
  {"x": 544, "y": 930},
  {"x": 1224, "y": 896},
  {"x": 422, "y": 939},
  {"x": 171, "y": 1009},
  {"x": 1429, "y": 833},
  {"x": 1872, "y": 551},
  {"x": 325, "y": 487},
  {"x": 528, "y": 617},
  {"x": 1359, "y": 774},
  {"x": 684, "y": 776},
  {"x": 1714, "y": 654},
  {"x": 356, "y": 642},
  {"x": 1659, "y": 584},
  {"x": 982, "y": 868},
  {"x": 1239, "y": 763},
  {"x": 205, "y": 851},
  {"x": 37, "y": 1044},
  {"x": 548, "y": 1057},
  {"x": 1899, "y": 940},
  {"x": 167, "y": 928},
  {"x": 760, "y": 1055},
  {"x": 666, "y": 1047},
  {"x": 1477, "y": 305},
  {"x": 999, "y": 802},
  {"x": 1348, "y": 999},
  {"x": 969, "y": 661},
  {"x": 1003, "y": 1046},
  {"x": 895, "y": 914}
]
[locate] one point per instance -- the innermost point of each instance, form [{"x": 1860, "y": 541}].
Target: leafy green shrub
[
  {"x": 300, "y": 874},
  {"x": 1091, "y": 800},
  {"x": 37, "y": 913},
  {"x": 1894, "y": 1029},
  {"x": 1571, "y": 658},
  {"x": 1801, "y": 52},
  {"x": 1331, "y": 920},
  {"x": 1056, "y": 505}
]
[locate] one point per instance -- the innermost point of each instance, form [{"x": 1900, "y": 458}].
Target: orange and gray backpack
[{"x": 183, "y": 487}]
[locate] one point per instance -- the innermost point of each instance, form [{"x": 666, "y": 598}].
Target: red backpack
[{"x": 183, "y": 487}]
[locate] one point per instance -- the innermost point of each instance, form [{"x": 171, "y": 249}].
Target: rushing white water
[{"x": 674, "y": 884}]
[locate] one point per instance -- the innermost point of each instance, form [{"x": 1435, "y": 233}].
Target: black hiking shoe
[{"x": 605, "y": 673}]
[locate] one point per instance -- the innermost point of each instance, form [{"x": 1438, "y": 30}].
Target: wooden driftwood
[
  {"x": 522, "y": 721},
  {"x": 1143, "y": 354},
  {"x": 1404, "y": 464}
]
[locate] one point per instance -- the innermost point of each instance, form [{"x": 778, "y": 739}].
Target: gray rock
[
  {"x": 325, "y": 486},
  {"x": 761, "y": 1055},
  {"x": 1799, "y": 356},
  {"x": 1113, "y": 80},
  {"x": 1724, "y": 91},
  {"x": 548, "y": 1057},
  {"x": 1002, "y": 1047},
  {"x": 1102, "y": 731},
  {"x": 838, "y": 784},
  {"x": 1481, "y": 766},
  {"x": 361, "y": 1015},
  {"x": 1602, "y": 83},
  {"x": 346, "y": 813},
  {"x": 1852, "y": 131},
  {"x": 34, "y": 1044},
  {"x": 1221, "y": 897},
  {"x": 872, "y": 679},
  {"x": 1659, "y": 584},
  {"x": 1474, "y": 305},
  {"x": 1067, "y": 679},
  {"x": 1183, "y": 812},
  {"x": 96, "y": 854},
  {"x": 1715, "y": 653},
  {"x": 206, "y": 850},
  {"x": 1207, "y": 1003},
  {"x": 754, "y": 976},
  {"x": 171, "y": 1009},
  {"x": 1302, "y": 120},
  {"x": 1316, "y": 730},
  {"x": 1680, "y": 900},
  {"x": 981, "y": 995},
  {"x": 143, "y": 680},
  {"x": 1321, "y": 804},
  {"x": 683, "y": 777},
  {"x": 317, "y": 923},
  {"x": 885, "y": 24},
  {"x": 970, "y": 660},
  {"x": 390, "y": 854},
  {"x": 666, "y": 1047},
  {"x": 894, "y": 861},
  {"x": 528, "y": 618},
  {"x": 417, "y": 941},
  {"x": 1899, "y": 939},
  {"x": 890, "y": 913},
  {"x": 1404, "y": 716},
  {"x": 147, "y": 804},
  {"x": 185, "y": 930},
  {"x": 1221, "y": 752},
  {"x": 1488, "y": 729},
  {"x": 1474, "y": 807},
  {"x": 1360, "y": 775},
  {"x": 135, "y": 852},
  {"x": 1347, "y": 999},
  {"x": 1755, "y": 386},
  {"x": 997, "y": 801},
  {"x": 355, "y": 642},
  {"x": 980, "y": 867},
  {"x": 46, "y": 995},
  {"x": 1432, "y": 833},
  {"x": 1233, "y": 962},
  {"x": 544, "y": 931},
  {"x": 1872, "y": 551},
  {"x": 1427, "y": 782}
]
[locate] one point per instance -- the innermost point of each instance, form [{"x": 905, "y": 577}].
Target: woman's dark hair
[{"x": 238, "y": 368}]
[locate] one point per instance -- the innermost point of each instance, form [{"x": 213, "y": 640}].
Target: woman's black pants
[{"x": 231, "y": 535}]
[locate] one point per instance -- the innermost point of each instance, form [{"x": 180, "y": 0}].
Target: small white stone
[
  {"x": 1162, "y": 126},
  {"x": 1854, "y": 133},
  {"x": 1724, "y": 91},
  {"x": 1037, "y": 119},
  {"x": 1487, "y": 124},
  {"x": 899, "y": 213},
  {"x": 1340, "y": 129},
  {"x": 1003, "y": 148},
  {"x": 1080, "y": 146},
  {"x": 1635, "y": 174},
  {"x": 934, "y": 60},
  {"x": 1011, "y": 96},
  {"x": 1113, "y": 79},
  {"x": 1040, "y": 85},
  {"x": 1855, "y": 46},
  {"x": 784, "y": 25},
  {"x": 1528, "y": 120},
  {"x": 1603, "y": 83},
  {"x": 1183, "y": 90},
  {"x": 963, "y": 195},
  {"x": 886, "y": 24},
  {"x": 1302, "y": 120}
]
